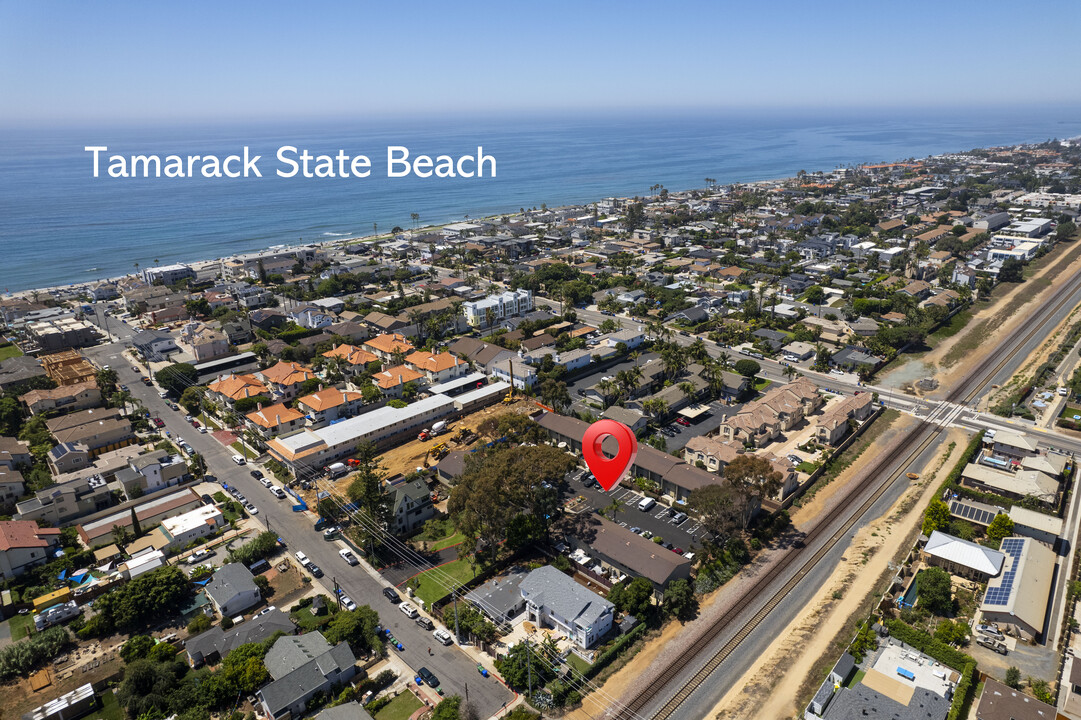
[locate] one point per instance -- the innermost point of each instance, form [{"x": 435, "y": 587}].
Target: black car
[
  {"x": 428, "y": 677},
  {"x": 425, "y": 623},
  {"x": 257, "y": 475},
  {"x": 392, "y": 595},
  {"x": 315, "y": 570}
]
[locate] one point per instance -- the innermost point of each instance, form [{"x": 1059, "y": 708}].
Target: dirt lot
[{"x": 781, "y": 675}]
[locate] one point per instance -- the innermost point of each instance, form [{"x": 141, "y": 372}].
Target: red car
[
  {"x": 683, "y": 421},
  {"x": 195, "y": 423},
  {"x": 158, "y": 422}
]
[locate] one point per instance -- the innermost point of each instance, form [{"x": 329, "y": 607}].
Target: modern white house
[
  {"x": 503, "y": 305},
  {"x": 192, "y": 525},
  {"x": 556, "y": 600}
]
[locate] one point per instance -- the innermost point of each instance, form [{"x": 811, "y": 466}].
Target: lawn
[
  {"x": 1069, "y": 411},
  {"x": 10, "y": 351},
  {"x": 761, "y": 384},
  {"x": 580, "y": 666},
  {"x": 110, "y": 708},
  {"x": 807, "y": 467},
  {"x": 21, "y": 625},
  {"x": 400, "y": 708},
  {"x": 243, "y": 450},
  {"x": 856, "y": 677},
  {"x": 308, "y": 622},
  {"x": 450, "y": 541},
  {"x": 433, "y": 585}
]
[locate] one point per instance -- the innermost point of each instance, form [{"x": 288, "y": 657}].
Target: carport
[{"x": 693, "y": 412}]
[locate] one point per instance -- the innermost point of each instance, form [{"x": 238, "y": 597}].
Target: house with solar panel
[{"x": 1017, "y": 598}]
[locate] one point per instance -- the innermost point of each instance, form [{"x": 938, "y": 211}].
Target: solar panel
[
  {"x": 1000, "y": 595},
  {"x": 971, "y": 512}
]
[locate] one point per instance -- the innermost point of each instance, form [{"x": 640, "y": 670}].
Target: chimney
[
  {"x": 277, "y": 419},
  {"x": 259, "y": 407},
  {"x": 320, "y": 387}
]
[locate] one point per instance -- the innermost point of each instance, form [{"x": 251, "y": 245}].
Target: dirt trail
[{"x": 770, "y": 688}]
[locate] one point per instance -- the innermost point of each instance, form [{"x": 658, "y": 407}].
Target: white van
[{"x": 646, "y": 504}]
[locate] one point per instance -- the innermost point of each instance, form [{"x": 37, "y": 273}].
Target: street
[{"x": 456, "y": 670}]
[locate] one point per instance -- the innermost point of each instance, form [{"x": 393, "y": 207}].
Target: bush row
[
  {"x": 613, "y": 652},
  {"x": 962, "y": 696},
  {"x": 929, "y": 646}
]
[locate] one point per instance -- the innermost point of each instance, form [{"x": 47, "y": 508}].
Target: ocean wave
[
  {"x": 94, "y": 269},
  {"x": 335, "y": 234}
]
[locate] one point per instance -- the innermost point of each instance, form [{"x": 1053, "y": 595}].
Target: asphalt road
[{"x": 456, "y": 670}]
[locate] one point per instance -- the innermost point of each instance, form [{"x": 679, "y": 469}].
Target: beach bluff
[{"x": 292, "y": 162}]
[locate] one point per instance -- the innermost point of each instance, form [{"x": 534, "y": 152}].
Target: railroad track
[{"x": 915, "y": 443}]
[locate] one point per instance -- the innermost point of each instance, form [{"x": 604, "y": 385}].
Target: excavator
[{"x": 438, "y": 452}]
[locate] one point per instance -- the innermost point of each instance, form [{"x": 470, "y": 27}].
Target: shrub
[
  {"x": 926, "y": 644},
  {"x": 22, "y": 657}
]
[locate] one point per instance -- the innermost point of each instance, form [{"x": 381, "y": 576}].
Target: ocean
[{"x": 60, "y": 225}]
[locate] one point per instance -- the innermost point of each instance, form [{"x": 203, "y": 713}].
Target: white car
[
  {"x": 348, "y": 556},
  {"x": 265, "y": 610},
  {"x": 266, "y": 483},
  {"x": 277, "y": 492},
  {"x": 408, "y": 609},
  {"x": 252, "y": 510},
  {"x": 199, "y": 555},
  {"x": 162, "y": 394},
  {"x": 443, "y": 636},
  {"x": 301, "y": 557},
  {"x": 202, "y": 430},
  {"x": 239, "y": 459},
  {"x": 348, "y": 604}
]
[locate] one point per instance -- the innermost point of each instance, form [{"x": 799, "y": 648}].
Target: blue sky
[{"x": 74, "y": 63}]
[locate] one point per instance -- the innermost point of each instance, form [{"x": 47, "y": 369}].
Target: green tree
[
  {"x": 635, "y": 597},
  {"x": 10, "y": 416},
  {"x": 1012, "y": 271},
  {"x": 1065, "y": 230},
  {"x": 680, "y": 600},
  {"x": 1001, "y": 527},
  {"x": 952, "y": 632},
  {"x": 1013, "y": 678},
  {"x": 356, "y": 627},
  {"x": 936, "y": 516},
  {"x": 136, "y": 648},
  {"x": 199, "y": 624},
  {"x": 106, "y": 380},
  {"x": 524, "y": 657},
  {"x": 366, "y": 489},
  {"x": 815, "y": 295},
  {"x": 176, "y": 378},
  {"x": 192, "y": 399},
  {"x": 934, "y": 591},
  {"x": 716, "y": 507},
  {"x": 752, "y": 478},
  {"x": 747, "y": 368}
]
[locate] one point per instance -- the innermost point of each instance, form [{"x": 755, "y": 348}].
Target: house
[
  {"x": 99, "y": 430},
  {"x": 961, "y": 557},
  {"x": 68, "y": 367},
  {"x": 154, "y": 345},
  {"x": 191, "y": 526},
  {"x": 853, "y": 358},
  {"x": 329, "y": 404},
  {"x": 999, "y": 702},
  {"x": 1016, "y": 485},
  {"x": 770, "y": 338},
  {"x": 74, "y": 704},
  {"x": 780, "y": 409},
  {"x": 386, "y": 346},
  {"x": 832, "y": 426},
  {"x": 168, "y": 274},
  {"x": 437, "y": 367},
  {"x": 227, "y": 389},
  {"x": 267, "y": 318},
  {"x": 18, "y": 370},
  {"x": 863, "y": 327},
  {"x": 1018, "y": 597},
  {"x": 918, "y": 289},
  {"x": 690, "y": 316},
  {"x": 798, "y": 351},
  {"x": 351, "y": 710},
  {"x": 214, "y": 644},
  {"x": 631, "y": 297},
  {"x": 204, "y": 343},
  {"x": 1014, "y": 445},
  {"x": 352, "y": 360},
  {"x": 63, "y": 502},
  {"x": 23, "y": 545},
  {"x": 14, "y": 453},
  {"x": 634, "y": 419},
  {"x": 494, "y": 308},
  {"x": 392, "y": 381},
  {"x": 232, "y": 590},
  {"x": 555, "y": 600},
  {"x": 303, "y": 666},
  {"x": 500, "y": 599},
  {"x": 274, "y": 420},
  {"x": 621, "y": 552},
  {"x": 12, "y": 487},
  {"x": 383, "y": 323},
  {"x": 312, "y": 317},
  {"x": 523, "y": 374},
  {"x": 411, "y": 506},
  {"x": 713, "y": 453},
  {"x": 151, "y": 472},
  {"x": 284, "y": 379},
  {"x": 80, "y": 396},
  {"x": 96, "y": 530}
]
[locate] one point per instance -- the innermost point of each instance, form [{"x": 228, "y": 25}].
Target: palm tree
[
  {"x": 698, "y": 350},
  {"x": 121, "y": 398},
  {"x": 790, "y": 372},
  {"x": 634, "y": 355},
  {"x": 606, "y": 387},
  {"x": 687, "y": 388},
  {"x": 724, "y": 360}
]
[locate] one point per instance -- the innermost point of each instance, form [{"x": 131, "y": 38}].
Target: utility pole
[
  {"x": 457, "y": 634},
  {"x": 529, "y": 665}
]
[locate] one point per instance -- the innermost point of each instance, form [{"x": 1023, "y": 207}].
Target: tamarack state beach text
[{"x": 292, "y": 162}]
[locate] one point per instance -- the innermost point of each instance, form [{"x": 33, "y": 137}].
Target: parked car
[
  {"x": 425, "y": 623},
  {"x": 991, "y": 643},
  {"x": 239, "y": 459},
  {"x": 349, "y": 557},
  {"x": 189, "y": 418},
  {"x": 990, "y": 631},
  {"x": 265, "y": 610},
  {"x": 391, "y": 594},
  {"x": 202, "y": 430},
  {"x": 330, "y": 532},
  {"x": 199, "y": 555},
  {"x": 636, "y": 530},
  {"x": 348, "y": 604},
  {"x": 683, "y": 421},
  {"x": 646, "y": 504},
  {"x": 428, "y": 677},
  {"x": 251, "y": 509},
  {"x": 277, "y": 492},
  {"x": 301, "y": 557},
  {"x": 678, "y": 518},
  {"x": 443, "y": 636},
  {"x": 256, "y": 474},
  {"x": 315, "y": 570},
  {"x": 158, "y": 422},
  {"x": 409, "y": 610}
]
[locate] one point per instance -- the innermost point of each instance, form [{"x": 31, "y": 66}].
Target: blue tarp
[
  {"x": 78, "y": 579},
  {"x": 63, "y": 575}
]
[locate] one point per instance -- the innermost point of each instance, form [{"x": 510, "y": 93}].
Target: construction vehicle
[
  {"x": 464, "y": 436},
  {"x": 510, "y": 392},
  {"x": 424, "y": 434},
  {"x": 437, "y": 452}
]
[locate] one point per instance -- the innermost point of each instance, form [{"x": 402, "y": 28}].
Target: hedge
[
  {"x": 926, "y": 644},
  {"x": 608, "y": 656},
  {"x": 962, "y": 696},
  {"x": 971, "y": 450}
]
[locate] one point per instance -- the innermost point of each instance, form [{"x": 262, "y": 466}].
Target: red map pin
[{"x": 609, "y": 471}]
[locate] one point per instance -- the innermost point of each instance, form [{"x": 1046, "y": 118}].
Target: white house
[
  {"x": 23, "y": 544},
  {"x": 192, "y": 525},
  {"x": 554, "y": 599},
  {"x": 503, "y": 305}
]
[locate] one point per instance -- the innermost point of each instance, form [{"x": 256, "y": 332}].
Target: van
[
  {"x": 391, "y": 594},
  {"x": 646, "y": 504}
]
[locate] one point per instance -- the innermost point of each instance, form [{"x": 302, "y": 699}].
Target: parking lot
[
  {"x": 676, "y": 436},
  {"x": 685, "y": 535}
]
